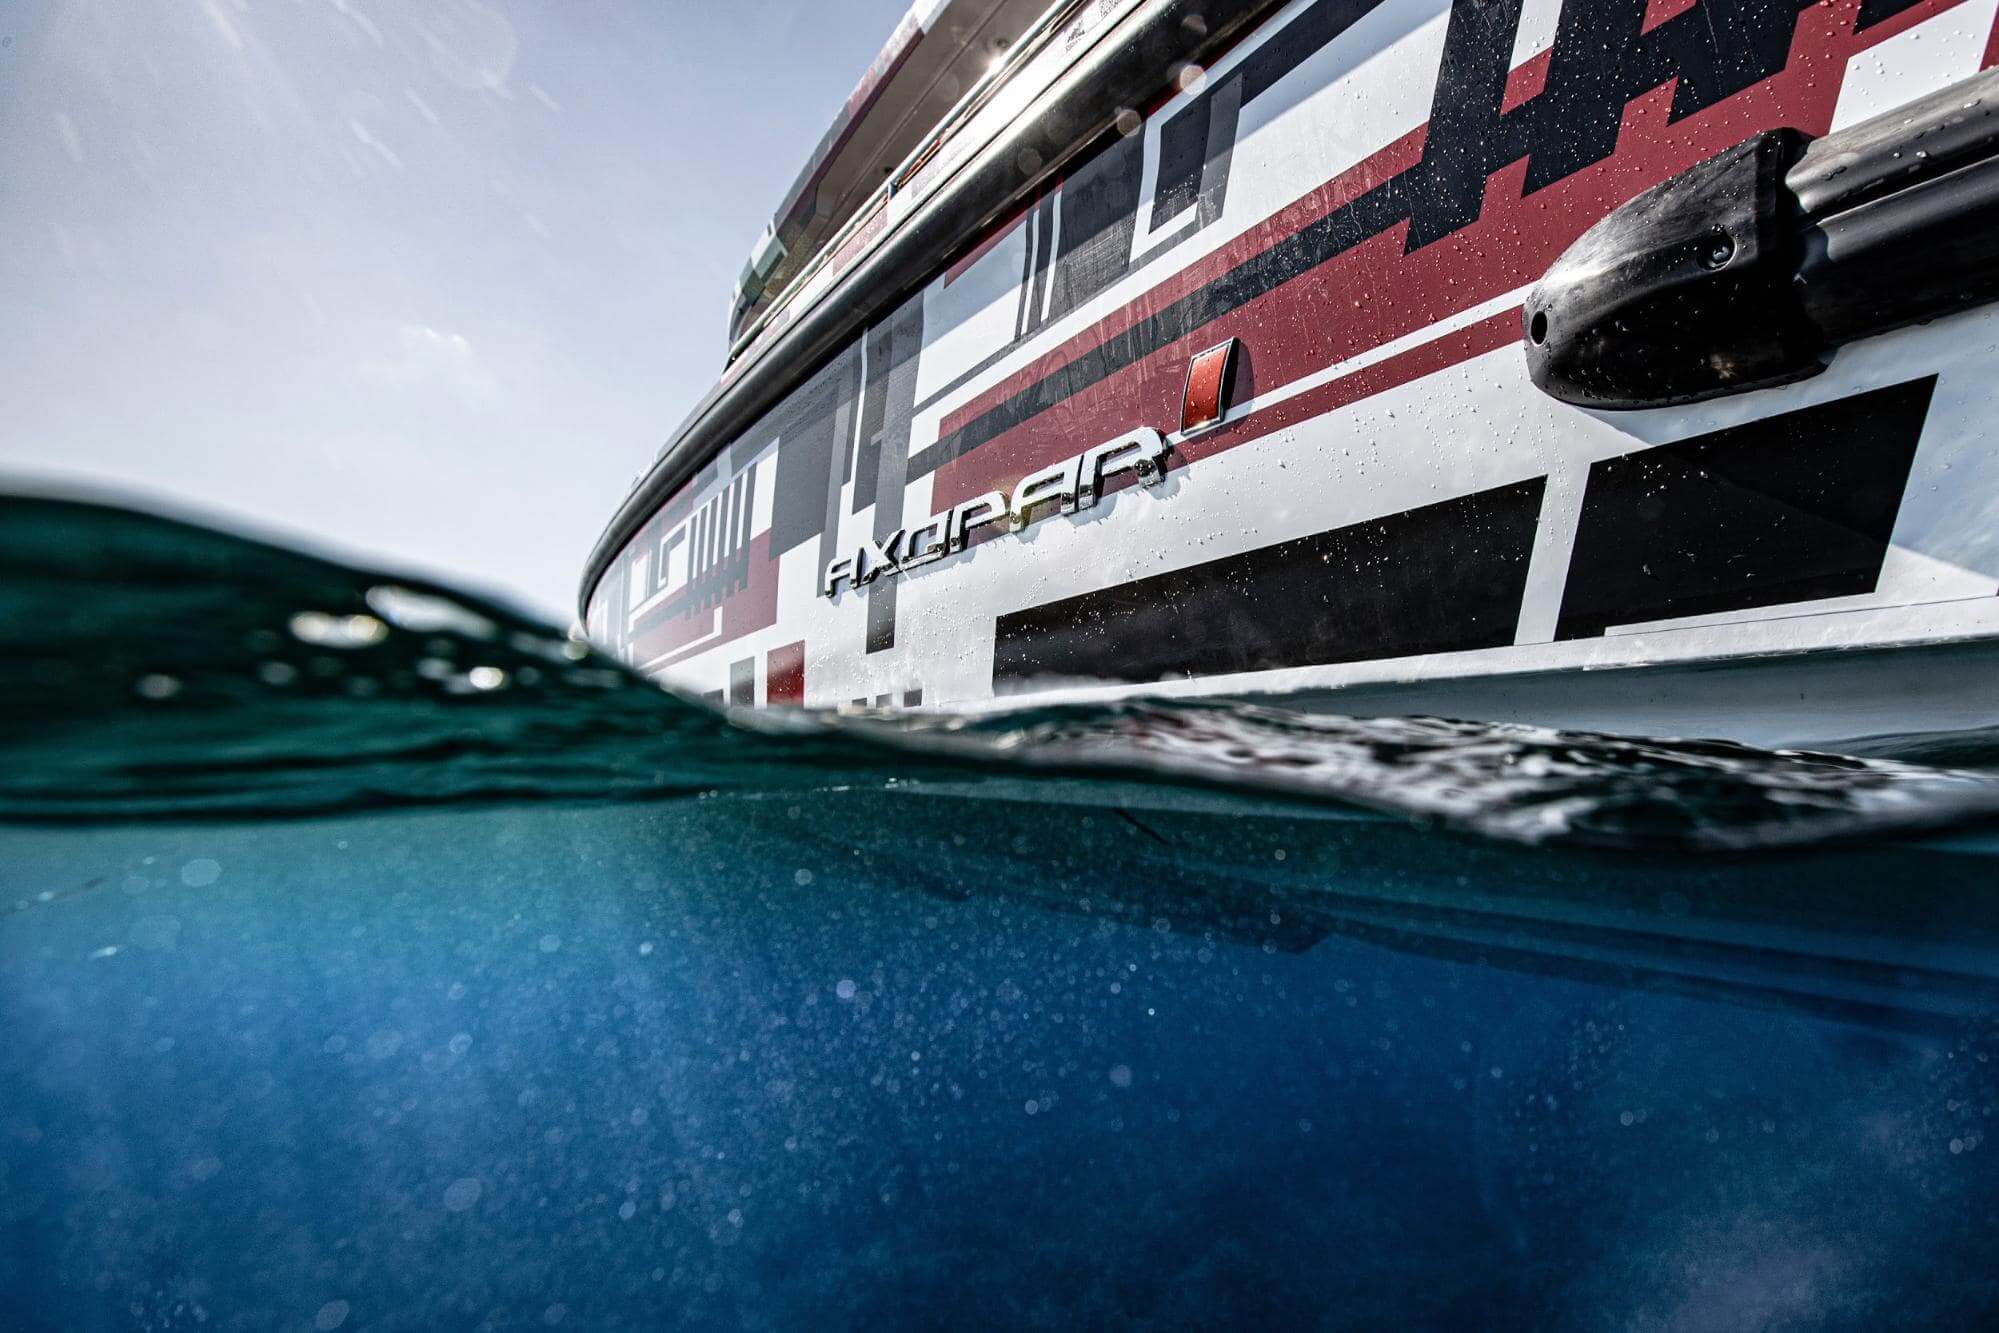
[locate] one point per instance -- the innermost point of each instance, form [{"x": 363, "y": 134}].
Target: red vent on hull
[{"x": 1205, "y": 402}]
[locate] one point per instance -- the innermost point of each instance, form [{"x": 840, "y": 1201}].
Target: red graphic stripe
[
  {"x": 1658, "y": 11},
  {"x": 1526, "y": 83},
  {"x": 1489, "y": 334},
  {"x": 1287, "y": 221}
]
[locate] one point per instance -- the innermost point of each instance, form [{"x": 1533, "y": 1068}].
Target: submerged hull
[{"x": 1368, "y": 499}]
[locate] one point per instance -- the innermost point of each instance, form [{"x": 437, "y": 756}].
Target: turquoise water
[{"x": 373, "y": 958}]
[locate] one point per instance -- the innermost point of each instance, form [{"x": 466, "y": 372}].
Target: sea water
[{"x": 374, "y": 958}]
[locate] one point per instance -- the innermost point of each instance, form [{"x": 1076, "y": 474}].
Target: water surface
[{"x": 372, "y": 957}]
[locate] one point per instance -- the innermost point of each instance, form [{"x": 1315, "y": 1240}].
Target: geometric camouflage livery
[{"x": 1359, "y": 192}]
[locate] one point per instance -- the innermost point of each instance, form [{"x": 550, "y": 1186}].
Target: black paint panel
[
  {"x": 1791, "y": 508},
  {"x": 1099, "y": 212},
  {"x": 1187, "y": 142},
  {"x": 1441, "y": 578},
  {"x": 1879, "y": 11},
  {"x": 891, "y": 458},
  {"x": 808, "y": 428},
  {"x": 874, "y": 399}
]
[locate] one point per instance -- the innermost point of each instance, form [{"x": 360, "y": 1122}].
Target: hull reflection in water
[{"x": 889, "y": 1059}]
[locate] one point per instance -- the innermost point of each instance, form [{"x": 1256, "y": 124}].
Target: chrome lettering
[
  {"x": 1071, "y": 486},
  {"x": 974, "y": 513},
  {"x": 1143, "y": 451},
  {"x": 1056, "y": 484}
]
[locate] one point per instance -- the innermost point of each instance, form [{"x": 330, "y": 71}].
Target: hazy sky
[{"x": 424, "y": 281}]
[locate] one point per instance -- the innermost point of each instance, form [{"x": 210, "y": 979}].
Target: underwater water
[{"x": 372, "y": 958}]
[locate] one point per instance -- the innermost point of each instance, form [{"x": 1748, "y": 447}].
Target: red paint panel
[
  {"x": 1526, "y": 82},
  {"x": 1658, "y": 11},
  {"x": 682, "y": 631},
  {"x": 1202, "y": 403},
  {"x": 784, "y": 679},
  {"x": 1463, "y": 344},
  {"x": 1426, "y": 359}
]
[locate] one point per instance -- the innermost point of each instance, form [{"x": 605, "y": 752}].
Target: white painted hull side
[{"x": 1391, "y": 518}]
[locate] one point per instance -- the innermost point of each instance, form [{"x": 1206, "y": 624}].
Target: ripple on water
[{"x": 151, "y": 668}]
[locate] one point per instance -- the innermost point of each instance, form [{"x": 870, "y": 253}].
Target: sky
[{"x": 423, "y": 283}]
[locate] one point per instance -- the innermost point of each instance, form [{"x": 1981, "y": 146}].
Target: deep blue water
[{"x": 552, "y": 1000}]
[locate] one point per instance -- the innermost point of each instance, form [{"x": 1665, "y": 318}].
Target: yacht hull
[{"x": 1361, "y": 499}]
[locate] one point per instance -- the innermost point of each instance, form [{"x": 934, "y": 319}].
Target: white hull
[{"x": 1391, "y": 517}]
